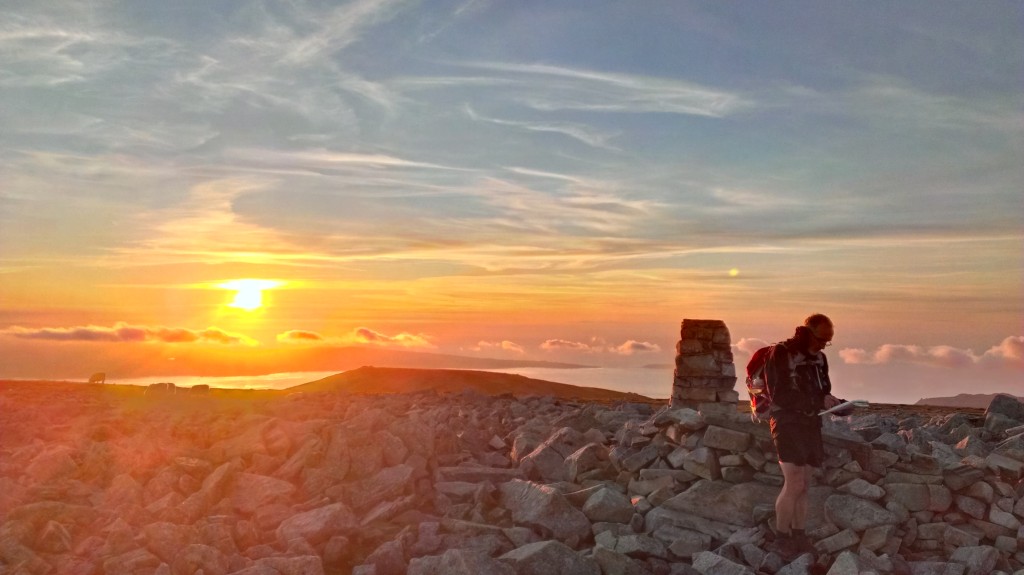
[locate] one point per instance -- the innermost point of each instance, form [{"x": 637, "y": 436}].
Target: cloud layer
[
  {"x": 124, "y": 333},
  {"x": 1009, "y": 353}
]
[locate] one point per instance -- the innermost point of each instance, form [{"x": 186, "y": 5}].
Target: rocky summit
[{"x": 97, "y": 481}]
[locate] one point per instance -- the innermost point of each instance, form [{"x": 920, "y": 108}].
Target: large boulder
[
  {"x": 723, "y": 501},
  {"x": 608, "y": 505},
  {"x": 317, "y": 525},
  {"x": 545, "y": 509},
  {"x": 1007, "y": 406},
  {"x": 849, "y": 512}
]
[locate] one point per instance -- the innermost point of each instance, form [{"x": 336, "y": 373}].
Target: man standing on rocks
[{"x": 796, "y": 377}]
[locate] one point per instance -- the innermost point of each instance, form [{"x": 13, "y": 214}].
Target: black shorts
[{"x": 798, "y": 441}]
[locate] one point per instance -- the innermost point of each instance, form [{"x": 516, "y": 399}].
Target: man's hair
[{"x": 814, "y": 320}]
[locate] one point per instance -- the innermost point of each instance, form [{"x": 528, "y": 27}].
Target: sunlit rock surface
[{"x": 103, "y": 480}]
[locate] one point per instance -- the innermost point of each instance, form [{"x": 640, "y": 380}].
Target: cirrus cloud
[{"x": 124, "y": 333}]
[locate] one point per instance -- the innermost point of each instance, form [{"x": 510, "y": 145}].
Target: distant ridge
[
  {"x": 975, "y": 400},
  {"x": 385, "y": 380}
]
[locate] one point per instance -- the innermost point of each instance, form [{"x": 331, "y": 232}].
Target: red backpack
[{"x": 760, "y": 398}]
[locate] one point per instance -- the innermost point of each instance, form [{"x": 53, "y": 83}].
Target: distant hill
[
  {"x": 79, "y": 361},
  {"x": 974, "y": 400},
  {"x": 381, "y": 380}
]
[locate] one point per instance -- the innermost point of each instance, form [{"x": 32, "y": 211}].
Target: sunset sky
[{"x": 560, "y": 181}]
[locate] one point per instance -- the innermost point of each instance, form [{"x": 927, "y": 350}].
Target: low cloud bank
[
  {"x": 368, "y": 336},
  {"x": 124, "y": 333},
  {"x": 504, "y": 345},
  {"x": 1008, "y": 353},
  {"x": 630, "y": 347},
  {"x": 300, "y": 336},
  {"x": 358, "y": 336}
]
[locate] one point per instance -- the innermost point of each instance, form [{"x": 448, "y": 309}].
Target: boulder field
[{"x": 93, "y": 481}]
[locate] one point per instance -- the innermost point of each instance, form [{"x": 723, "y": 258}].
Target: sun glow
[{"x": 248, "y": 292}]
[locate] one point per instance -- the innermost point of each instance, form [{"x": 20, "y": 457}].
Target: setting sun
[{"x": 248, "y": 292}]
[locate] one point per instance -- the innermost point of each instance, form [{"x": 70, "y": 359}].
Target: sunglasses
[{"x": 824, "y": 342}]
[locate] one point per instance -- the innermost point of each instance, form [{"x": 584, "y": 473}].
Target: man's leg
[
  {"x": 791, "y": 506},
  {"x": 800, "y": 515}
]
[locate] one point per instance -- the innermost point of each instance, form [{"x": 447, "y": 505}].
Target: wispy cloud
[
  {"x": 553, "y": 88},
  {"x": 1009, "y": 353},
  {"x": 580, "y": 132},
  {"x": 125, "y": 333}
]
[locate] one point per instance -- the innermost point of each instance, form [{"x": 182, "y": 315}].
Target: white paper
[{"x": 845, "y": 405}]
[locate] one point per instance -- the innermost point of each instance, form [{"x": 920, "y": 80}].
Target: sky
[{"x": 520, "y": 180}]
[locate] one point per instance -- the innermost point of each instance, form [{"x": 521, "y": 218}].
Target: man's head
[{"x": 821, "y": 331}]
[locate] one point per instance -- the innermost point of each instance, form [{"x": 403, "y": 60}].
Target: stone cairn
[{"x": 704, "y": 372}]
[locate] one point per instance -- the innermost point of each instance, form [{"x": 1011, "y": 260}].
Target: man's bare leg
[
  {"x": 800, "y": 511},
  {"x": 791, "y": 505}
]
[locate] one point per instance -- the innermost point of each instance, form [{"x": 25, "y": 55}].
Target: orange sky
[{"x": 438, "y": 179}]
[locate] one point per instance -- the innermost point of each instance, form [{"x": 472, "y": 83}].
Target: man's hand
[{"x": 831, "y": 401}]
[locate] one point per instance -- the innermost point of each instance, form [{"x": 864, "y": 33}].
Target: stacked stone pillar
[{"x": 704, "y": 372}]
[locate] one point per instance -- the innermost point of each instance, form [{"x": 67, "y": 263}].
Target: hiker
[{"x": 796, "y": 376}]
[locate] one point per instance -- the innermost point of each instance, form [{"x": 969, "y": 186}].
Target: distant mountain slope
[
  {"x": 975, "y": 400},
  {"x": 380, "y": 380}
]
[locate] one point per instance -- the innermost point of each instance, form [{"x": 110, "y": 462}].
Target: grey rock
[
  {"x": 589, "y": 457},
  {"x": 549, "y": 558},
  {"x": 545, "y": 463},
  {"x": 980, "y": 560},
  {"x": 662, "y": 516},
  {"x": 913, "y": 496},
  {"x": 387, "y": 483},
  {"x": 935, "y": 568},
  {"x": 702, "y": 462},
  {"x": 639, "y": 546},
  {"x": 459, "y": 562},
  {"x": 709, "y": 563},
  {"x": 198, "y": 557},
  {"x": 685, "y": 542},
  {"x": 847, "y": 563},
  {"x": 849, "y": 512},
  {"x": 476, "y": 474},
  {"x": 317, "y": 525},
  {"x": 723, "y": 501},
  {"x": 845, "y": 539},
  {"x": 726, "y": 439},
  {"x": 388, "y": 558},
  {"x": 614, "y": 563},
  {"x": 251, "y": 491},
  {"x": 1006, "y": 405},
  {"x": 542, "y": 507},
  {"x": 608, "y": 505},
  {"x": 860, "y": 488}
]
